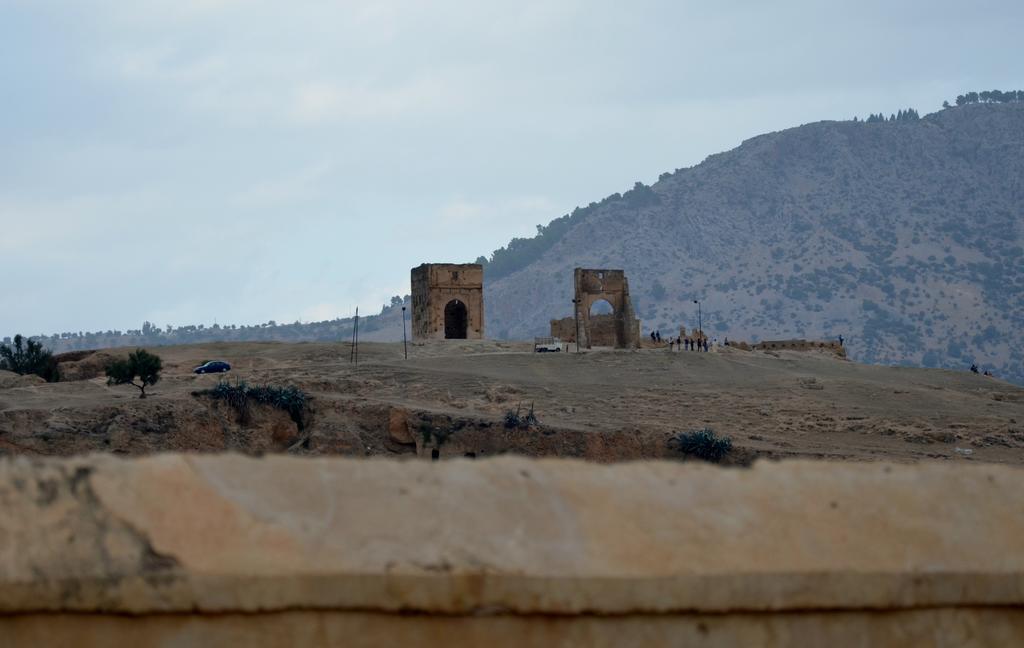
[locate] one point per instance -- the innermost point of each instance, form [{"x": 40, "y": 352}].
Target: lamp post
[
  {"x": 576, "y": 315},
  {"x": 700, "y": 323},
  {"x": 405, "y": 345}
]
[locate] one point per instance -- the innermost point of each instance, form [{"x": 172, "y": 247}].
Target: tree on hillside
[
  {"x": 28, "y": 357},
  {"x": 142, "y": 364},
  {"x": 902, "y": 115},
  {"x": 988, "y": 96}
]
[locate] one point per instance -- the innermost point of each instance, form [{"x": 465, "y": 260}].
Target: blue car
[{"x": 213, "y": 366}]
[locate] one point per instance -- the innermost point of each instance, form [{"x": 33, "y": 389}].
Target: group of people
[
  {"x": 687, "y": 344},
  {"x": 974, "y": 369}
]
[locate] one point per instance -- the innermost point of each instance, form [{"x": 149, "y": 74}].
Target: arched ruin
[
  {"x": 619, "y": 329},
  {"x": 448, "y": 301}
]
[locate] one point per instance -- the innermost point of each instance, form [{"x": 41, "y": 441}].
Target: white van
[{"x": 547, "y": 345}]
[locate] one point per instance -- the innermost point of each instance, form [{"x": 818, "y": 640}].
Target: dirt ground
[{"x": 604, "y": 405}]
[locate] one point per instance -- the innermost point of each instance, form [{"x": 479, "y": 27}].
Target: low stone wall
[
  {"x": 602, "y": 330},
  {"x": 564, "y": 329},
  {"x": 226, "y": 550},
  {"x": 801, "y": 345}
]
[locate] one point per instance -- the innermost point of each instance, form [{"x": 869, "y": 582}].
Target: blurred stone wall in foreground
[{"x": 178, "y": 550}]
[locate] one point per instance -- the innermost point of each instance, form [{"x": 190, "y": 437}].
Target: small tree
[
  {"x": 143, "y": 364},
  {"x": 28, "y": 357}
]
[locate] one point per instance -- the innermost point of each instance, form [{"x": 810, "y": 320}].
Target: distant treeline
[
  {"x": 988, "y": 96},
  {"x": 903, "y": 115},
  {"x": 150, "y": 335}
]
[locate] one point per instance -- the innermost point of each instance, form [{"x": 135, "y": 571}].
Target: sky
[{"x": 230, "y": 161}]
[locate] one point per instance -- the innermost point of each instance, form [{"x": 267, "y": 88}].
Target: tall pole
[
  {"x": 405, "y": 345},
  {"x": 352, "y": 344},
  {"x": 354, "y": 356},
  {"x": 576, "y": 315},
  {"x": 700, "y": 324}
]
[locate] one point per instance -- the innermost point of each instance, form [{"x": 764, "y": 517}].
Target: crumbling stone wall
[
  {"x": 801, "y": 345},
  {"x": 621, "y": 329},
  {"x": 694, "y": 334},
  {"x": 564, "y": 329},
  {"x": 603, "y": 330},
  {"x": 448, "y": 301}
]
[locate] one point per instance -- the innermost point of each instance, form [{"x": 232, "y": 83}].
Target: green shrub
[
  {"x": 703, "y": 444},
  {"x": 142, "y": 364},
  {"x": 28, "y": 357},
  {"x": 290, "y": 399}
]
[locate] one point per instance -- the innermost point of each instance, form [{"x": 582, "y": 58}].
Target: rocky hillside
[{"x": 903, "y": 236}]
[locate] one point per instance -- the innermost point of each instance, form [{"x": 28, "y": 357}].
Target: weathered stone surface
[
  {"x": 398, "y": 427},
  {"x": 447, "y": 301},
  {"x": 232, "y": 534},
  {"x": 621, "y": 329},
  {"x": 947, "y": 627}
]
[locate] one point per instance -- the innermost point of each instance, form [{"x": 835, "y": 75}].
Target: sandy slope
[{"x": 604, "y": 405}]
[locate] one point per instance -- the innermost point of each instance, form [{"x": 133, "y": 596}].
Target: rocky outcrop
[
  {"x": 9, "y": 379},
  {"x": 83, "y": 365},
  {"x": 278, "y": 551}
]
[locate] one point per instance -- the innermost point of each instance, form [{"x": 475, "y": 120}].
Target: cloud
[
  {"x": 316, "y": 151},
  {"x": 497, "y": 219},
  {"x": 326, "y": 101},
  {"x": 301, "y": 186},
  {"x": 519, "y": 212}
]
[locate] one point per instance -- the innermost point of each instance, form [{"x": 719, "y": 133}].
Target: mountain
[{"x": 904, "y": 236}]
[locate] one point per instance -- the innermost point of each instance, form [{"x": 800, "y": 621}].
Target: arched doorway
[
  {"x": 601, "y": 324},
  {"x": 456, "y": 320}
]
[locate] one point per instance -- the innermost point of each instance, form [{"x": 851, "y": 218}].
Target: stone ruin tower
[
  {"x": 448, "y": 301},
  {"x": 620, "y": 329}
]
